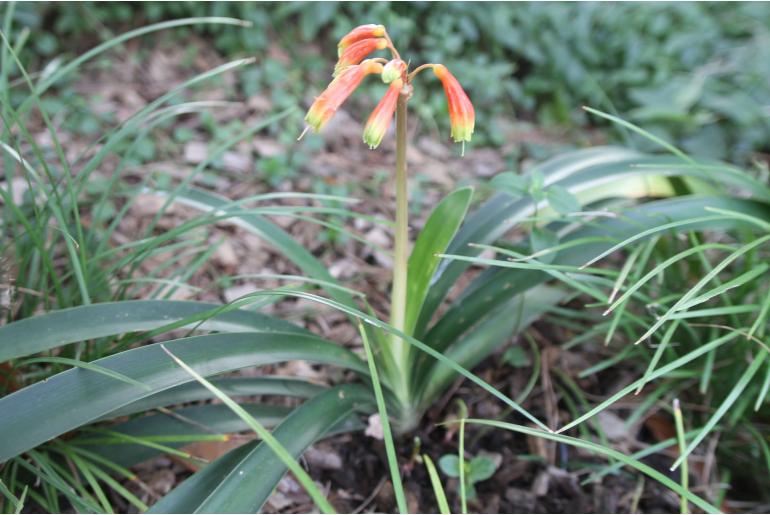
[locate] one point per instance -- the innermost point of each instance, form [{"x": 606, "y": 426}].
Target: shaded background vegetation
[{"x": 695, "y": 73}]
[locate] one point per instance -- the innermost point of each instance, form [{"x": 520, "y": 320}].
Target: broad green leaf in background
[
  {"x": 450, "y": 465},
  {"x": 510, "y": 183},
  {"x": 481, "y": 468},
  {"x": 486, "y": 292},
  {"x": 541, "y": 239}
]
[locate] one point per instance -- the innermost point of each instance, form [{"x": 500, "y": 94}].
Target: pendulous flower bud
[
  {"x": 380, "y": 119},
  {"x": 357, "y": 52},
  {"x": 361, "y": 32},
  {"x": 461, "y": 114}
]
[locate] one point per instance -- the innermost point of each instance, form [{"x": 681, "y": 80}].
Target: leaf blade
[
  {"x": 68, "y": 401},
  {"x": 438, "y": 232},
  {"x": 65, "y": 326},
  {"x": 217, "y": 489}
]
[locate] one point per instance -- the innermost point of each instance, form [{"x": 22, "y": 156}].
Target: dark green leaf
[
  {"x": 76, "y": 397},
  {"x": 542, "y": 239},
  {"x": 196, "y": 420},
  {"x": 238, "y": 386},
  {"x": 516, "y": 357},
  {"x": 241, "y": 481},
  {"x": 45, "y": 332}
]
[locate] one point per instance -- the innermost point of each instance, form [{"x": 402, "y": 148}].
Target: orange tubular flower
[
  {"x": 359, "y": 33},
  {"x": 461, "y": 114},
  {"x": 357, "y": 52},
  {"x": 327, "y": 103},
  {"x": 380, "y": 119},
  {"x": 353, "y": 65}
]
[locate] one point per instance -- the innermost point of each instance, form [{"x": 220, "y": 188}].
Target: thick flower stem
[{"x": 400, "y": 349}]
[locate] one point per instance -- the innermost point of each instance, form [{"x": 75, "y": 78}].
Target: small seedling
[
  {"x": 558, "y": 197},
  {"x": 517, "y": 357},
  {"x": 477, "y": 469},
  {"x": 533, "y": 186}
]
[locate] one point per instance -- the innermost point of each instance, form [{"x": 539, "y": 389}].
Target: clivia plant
[
  {"x": 226, "y": 338},
  {"x": 123, "y": 396},
  {"x": 396, "y": 358}
]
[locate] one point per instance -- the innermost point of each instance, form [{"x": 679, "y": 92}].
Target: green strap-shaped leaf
[
  {"x": 441, "y": 227},
  {"x": 186, "y": 497},
  {"x": 496, "y": 285},
  {"x": 242, "y": 480},
  {"x": 502, "y": 212},
  {"x": 196, "y": 420},
  {"x": 76, "y": 397},
  {"x": 271, "y": 233},
  {"x": 51, "y": 330},
  {"x": 237, "y": 386},
  {"x": 592, "y": 174},
  {"x": 378, "y": 324},
  {"x": 508, "y": 319}
]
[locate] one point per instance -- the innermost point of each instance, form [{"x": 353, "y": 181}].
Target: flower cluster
[{"x": 354, "y": 64}]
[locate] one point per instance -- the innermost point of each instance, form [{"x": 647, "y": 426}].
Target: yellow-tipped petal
[
  {"x": 462, "y": 117},
  {"x": 379, "y": 121}
]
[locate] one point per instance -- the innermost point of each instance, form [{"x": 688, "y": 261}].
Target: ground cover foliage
[{"x": 690, "y": 72}]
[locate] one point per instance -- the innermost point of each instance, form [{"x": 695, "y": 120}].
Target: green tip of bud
[
  {"x": 372, "y": 139},
  {"x": 392, "y": 71}
]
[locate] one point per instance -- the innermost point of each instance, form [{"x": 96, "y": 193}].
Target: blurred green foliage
[{"x": 694, "y": 73}]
